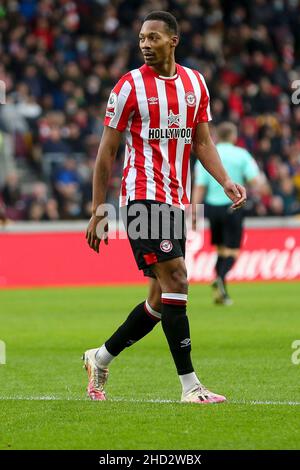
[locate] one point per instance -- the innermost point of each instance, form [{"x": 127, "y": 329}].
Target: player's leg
[
  {"x": 216, "y": 216},
  {"x": 172, "y": 277},
  {"x": 230, "y": 257},
  {"x": 138, "y": 324},
  {"x": 141, "y": 320},
  {"x": 220, "y": 259},
  {"x": 218, "y": 288},
  {"x": 233, "y": 231}
]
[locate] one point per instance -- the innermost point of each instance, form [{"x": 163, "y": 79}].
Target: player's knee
[
  {"x": 178, "y": 280},
  {"x": 172, "y": 276}
]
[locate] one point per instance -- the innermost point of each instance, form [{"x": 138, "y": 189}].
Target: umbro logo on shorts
[
  {"x": 166, "y": 246},
  {"x": 185, "y": 342}
]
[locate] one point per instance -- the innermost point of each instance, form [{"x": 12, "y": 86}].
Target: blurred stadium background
[{"x": 59, "y": 60}]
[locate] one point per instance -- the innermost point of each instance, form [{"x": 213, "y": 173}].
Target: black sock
[
  {"x": 219, "y": 265},
  {"x": 138, "y": 324},
  {"x": 175, "y": 324},
  {"x": 226, "y": 266}
]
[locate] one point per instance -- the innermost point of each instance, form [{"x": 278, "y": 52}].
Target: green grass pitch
[{"x": 243, "y": 351}]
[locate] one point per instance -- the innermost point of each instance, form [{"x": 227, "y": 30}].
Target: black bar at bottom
[{"x": 132, "y": 459}]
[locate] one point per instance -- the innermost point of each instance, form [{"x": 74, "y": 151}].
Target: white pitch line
[
  {"x": 253, "y": 402},
  {"x": 55, "y": 398},
  {"x": 132, "y": 400}
]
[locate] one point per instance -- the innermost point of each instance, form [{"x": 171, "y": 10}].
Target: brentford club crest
[
  {"x": 190, "y": 98},
  {"x": 166, "y": 246}
]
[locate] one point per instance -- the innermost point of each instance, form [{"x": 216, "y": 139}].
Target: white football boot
[
  {"x": 200, "y": 394},
  {"x": 97, "y": 376}
]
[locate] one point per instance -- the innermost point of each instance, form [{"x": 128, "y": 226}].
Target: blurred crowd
[{"x": 60, "y": 59}]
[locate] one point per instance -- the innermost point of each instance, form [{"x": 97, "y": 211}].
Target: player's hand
[
  {"x": 96, "y": 231},
  {"x": 237, "y": 193}
]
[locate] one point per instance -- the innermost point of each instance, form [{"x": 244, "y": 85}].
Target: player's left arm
[{"x": 205, "y": 150}]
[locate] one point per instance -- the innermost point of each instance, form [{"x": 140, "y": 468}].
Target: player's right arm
[
  {"x": 107, "y": 152},
  {"x": 120, "y": 107}
]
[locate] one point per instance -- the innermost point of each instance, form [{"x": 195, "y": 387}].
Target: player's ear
[{"x": 174, "y": 41}]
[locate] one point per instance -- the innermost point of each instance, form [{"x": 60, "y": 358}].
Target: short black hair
[{"x": 166, "y": 17}]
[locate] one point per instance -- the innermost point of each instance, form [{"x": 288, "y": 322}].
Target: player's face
[{"x": 156, "y": 43}]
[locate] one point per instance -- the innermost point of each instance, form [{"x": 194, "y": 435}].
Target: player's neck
[{"x": 167, "y": 69}]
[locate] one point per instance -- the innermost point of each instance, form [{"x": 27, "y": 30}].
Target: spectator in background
[
  {"x": 86, "y": 174},
  {"x": 55, "y": 143},
  {"x": 39, "y": 205},
  {"x": 288, "y": 194},
  {"x": 67, "y": 189},
  {"x": 13, "y": 198}
]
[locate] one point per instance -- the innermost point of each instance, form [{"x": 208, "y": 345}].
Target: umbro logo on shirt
[{"x": 153, "y": 100}]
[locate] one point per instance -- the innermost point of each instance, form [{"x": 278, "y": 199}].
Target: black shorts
[
  {"x": 226, "y": 225},
  {"x": 156, "y": 232}
]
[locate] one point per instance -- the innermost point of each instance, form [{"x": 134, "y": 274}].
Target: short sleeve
[
  {"x": 120, "y": 105},
  {"x": 204, "y": 114},
  {"x": 251, "y": 169},
  {"x": 200, "y": 175}
]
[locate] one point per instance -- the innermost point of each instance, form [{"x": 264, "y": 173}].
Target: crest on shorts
[
  {"x": 166, "y": 246},
  {"x": 190, "y": 98}
]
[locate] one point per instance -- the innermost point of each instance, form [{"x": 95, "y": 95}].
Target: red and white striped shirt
[{"x": 159, "y": 116}]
